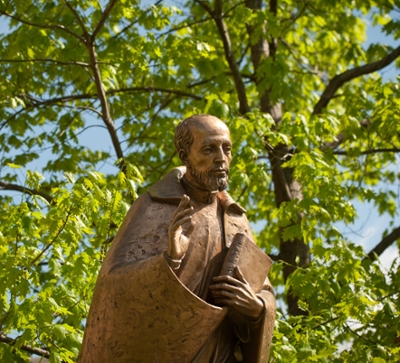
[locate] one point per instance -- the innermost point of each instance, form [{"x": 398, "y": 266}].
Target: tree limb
[
  {"x": 85, "y": 96},
  {"x": 187, "y": 25},
  {"x": 27, "y": 348},
  {"x": 112, "y": 92},
  {"x": 43, "y": 26},
  {"x": 368, "y": 152},
  {"x": 127, "y": 27},
  {"x": 218, "y": 17},
  {"x": 274, "y": 257},
  {"x": 338, "y": 81},
  {"x": 77, "y": 16},
  {"x": 103, "y": 18},
  {"x": 19, "y": 188},
  {"x": 52, "y": 241},
  {"x": 341, "y": 137},
  {"x": 384, "y": 244},
  {"x": 156, "y": 89},
  {"x": 82, "y": 64}
]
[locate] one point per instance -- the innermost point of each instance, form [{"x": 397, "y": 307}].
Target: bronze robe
[{"x": 142, "y": 312}]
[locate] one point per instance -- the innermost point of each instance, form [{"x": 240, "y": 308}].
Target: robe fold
[{"x": 145, "y": 312}]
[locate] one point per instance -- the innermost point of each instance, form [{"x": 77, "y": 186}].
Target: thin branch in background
[
  {"x": 27, "y": 348},
  {"x": 368, "y": 152},
  {"x": 341, "y": 137},
  {"x": 103, "y": 18},
  {"x": 338, "y": 81},
  {"x": 72, "y": 63},
  {"x": 43, "y": 26},
  {"x": 199, "y": 83},
  {"x": 293, "y": 19},
  {"x": 127, "y": 27},
  {"x": 218, "y": 17},
  {"x": 19, "y": 188},
  {"x": 384, "y": 244},
  {"x": 52, "y": 241},
  {"x": 188, "y": 25},
  {"x": 77, "y": 16},
  {"x": 156, "y": 89}
]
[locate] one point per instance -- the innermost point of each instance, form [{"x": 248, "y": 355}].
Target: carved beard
[{"x": 207, "y": 180}]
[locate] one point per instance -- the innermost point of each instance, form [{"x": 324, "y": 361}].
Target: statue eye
[
  {"x": 207, "y": 150},
  {"x": 227, "y": 149}
]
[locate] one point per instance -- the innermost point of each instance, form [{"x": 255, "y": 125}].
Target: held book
[{"x": 251, "y": 260}]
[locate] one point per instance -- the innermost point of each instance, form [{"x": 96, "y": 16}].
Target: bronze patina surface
[{"x": 160, "y": 296}]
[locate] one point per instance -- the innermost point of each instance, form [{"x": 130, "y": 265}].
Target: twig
[
  {"x": 52, "y": 241},
  {"x": 368, "y": 152},
  {"x": 19, "y": 188},
  {"x": 44, "y": 26},
  {"x": 27, "y": 348},
  {"x": 218, "y": 17},
  {"x": 103, "y": 18},
  {"x": 82, "y": 64}
]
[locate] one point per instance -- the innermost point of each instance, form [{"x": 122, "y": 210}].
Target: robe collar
[{"x": 170, "y": 190}]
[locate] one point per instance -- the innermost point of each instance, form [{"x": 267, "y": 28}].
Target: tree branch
[
  {"x": 44, "y": 26},
  {"x": 341, "y": 137},
  {"x": 52, "y": 241},
  {"x": 27, "y": 348},
  {"x": 187, "y": 25},
  {"x": 156, "y": 89},
  {"x": 218, "y": 17},
  {"x": 384, "y": 243},
  {"x": 85, "y": 96},
  {"x": 127, "y": 27},
  {"x": 77, "y": 16},
  {"x": 274, "y": 257},
  {"x": 338, "y": 81},
  {"x": 368, "y": 152},
  {"x": 82, "y": 64},
  {"x": 103, "y": 18},
  {"x": 19, "y": 188}
]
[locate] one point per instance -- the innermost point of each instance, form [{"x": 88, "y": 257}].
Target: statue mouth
[{"x": 220, "y": 172}]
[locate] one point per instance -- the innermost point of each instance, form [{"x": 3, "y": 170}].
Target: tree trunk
[{"x": 286, "y": 188}]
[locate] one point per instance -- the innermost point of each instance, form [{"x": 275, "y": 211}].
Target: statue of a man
[{"x": 160, "y": 296}]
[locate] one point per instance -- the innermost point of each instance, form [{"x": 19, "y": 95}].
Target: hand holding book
[{"x": 242, "y": 276}]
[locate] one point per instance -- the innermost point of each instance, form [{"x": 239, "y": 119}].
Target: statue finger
[
  {"x": 182, "y": 214},
  {"x": 225, "y": 287},
  {"x": 240, "y": 276},
  {"x": 223, "y": 293},
  {"x": 228, "y": 279},
  {"x": 185, "y": 201},
  {"x": 175, "y": 226}
]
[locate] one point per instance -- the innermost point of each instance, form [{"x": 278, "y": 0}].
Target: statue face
[{"x": 209, "y": 156}]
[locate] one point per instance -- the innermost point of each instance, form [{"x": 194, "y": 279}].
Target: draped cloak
[{"x": 145, "y": 312}]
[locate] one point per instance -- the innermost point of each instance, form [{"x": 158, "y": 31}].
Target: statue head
[{"x": 204, "y": 146}]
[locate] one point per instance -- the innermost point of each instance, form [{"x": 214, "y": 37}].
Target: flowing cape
[{"x": 141, "y": 312}]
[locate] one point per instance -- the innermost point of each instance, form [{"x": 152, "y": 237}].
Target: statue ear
[{"x": 183, "y": 155}]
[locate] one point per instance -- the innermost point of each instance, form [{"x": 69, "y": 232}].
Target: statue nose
[{"x": 220, "y": 156}]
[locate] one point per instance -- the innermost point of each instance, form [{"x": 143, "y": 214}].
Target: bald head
[{"x": 184, "y": 135}]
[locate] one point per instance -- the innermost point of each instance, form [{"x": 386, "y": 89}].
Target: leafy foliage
[{"x": 314, "y": 129}]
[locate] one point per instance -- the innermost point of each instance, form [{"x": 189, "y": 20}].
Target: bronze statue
[{"x": 160, "y": 296}]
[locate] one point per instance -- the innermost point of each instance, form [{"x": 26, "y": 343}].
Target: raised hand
[
  {"x": 236, "y": 293},
  {"x": 178, "y": 237}
]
